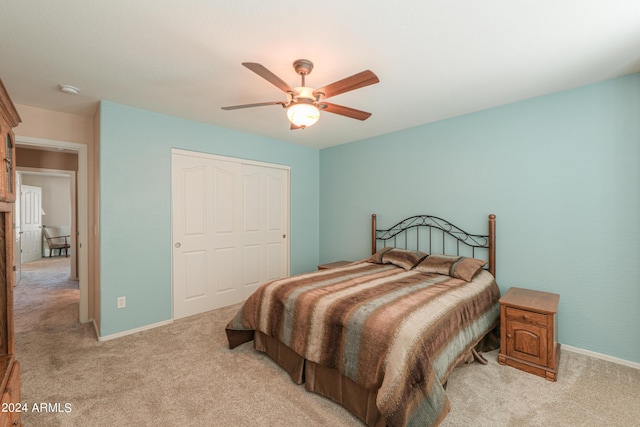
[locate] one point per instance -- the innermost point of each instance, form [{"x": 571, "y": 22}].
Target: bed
[{"x": 380, "y": 336}]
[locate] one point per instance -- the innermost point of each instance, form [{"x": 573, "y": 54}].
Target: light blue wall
[
  {"x": 135, "y": 205},
  {"x": 562, "y": 174}
]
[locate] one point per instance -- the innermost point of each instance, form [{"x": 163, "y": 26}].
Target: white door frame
[
  {"x": 82, "y": 219},
  {"x": 17, "y": 239}
]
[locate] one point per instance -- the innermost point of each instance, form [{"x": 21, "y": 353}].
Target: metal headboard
[{"x": 401, "y": 231}]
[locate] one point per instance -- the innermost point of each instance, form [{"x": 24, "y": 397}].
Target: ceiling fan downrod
[{"x": 303, "y": 67}]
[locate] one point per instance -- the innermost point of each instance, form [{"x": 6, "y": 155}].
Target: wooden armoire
[{"x": 9, "y": 367}]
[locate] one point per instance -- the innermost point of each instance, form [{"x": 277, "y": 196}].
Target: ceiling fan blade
[
  {"x": 345, "y": 111},
  {"x": 362, "y": 79},
  {"x": 269, "y": 76},
  {"x": 259, "y": 104}
]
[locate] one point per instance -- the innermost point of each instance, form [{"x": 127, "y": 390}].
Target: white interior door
[
  {"x": 31, "y": 223},
  {"x": 230, "y": 229}
]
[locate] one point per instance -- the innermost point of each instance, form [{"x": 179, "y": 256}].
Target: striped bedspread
[{"x": 397, "y": 331}]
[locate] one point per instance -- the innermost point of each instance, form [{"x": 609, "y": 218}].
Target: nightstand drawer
[{"x": 526, "y": 316}]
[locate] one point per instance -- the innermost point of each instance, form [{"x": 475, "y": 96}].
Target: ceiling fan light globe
[{"x": 303, "y": 114}]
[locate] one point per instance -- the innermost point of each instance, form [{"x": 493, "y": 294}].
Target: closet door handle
[{"x": 178, "y": 244}]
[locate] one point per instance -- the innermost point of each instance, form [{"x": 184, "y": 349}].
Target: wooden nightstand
[
  {"x": 529, "y": 332},
  {"x": 335, "y": 264}
]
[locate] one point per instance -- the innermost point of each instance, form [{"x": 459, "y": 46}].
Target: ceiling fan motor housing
[{"x": 304, "y": 93}]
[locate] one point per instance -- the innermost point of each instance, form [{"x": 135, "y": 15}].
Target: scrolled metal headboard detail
[{"x": 472, "y": 241}]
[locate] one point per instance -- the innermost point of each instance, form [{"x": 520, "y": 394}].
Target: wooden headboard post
[
  {"x": 492, "y": 244},
  {"x": 373, "y": 234}
]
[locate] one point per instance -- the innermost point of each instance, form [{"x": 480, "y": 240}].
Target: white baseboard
[
  {"x": 133, "y": 331},
  {"x": 600, "y": 356}
]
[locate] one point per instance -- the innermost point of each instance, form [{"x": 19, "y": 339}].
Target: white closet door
[
  {"x": 265, "y": 226},
  {"x": 230, "y": 224}
]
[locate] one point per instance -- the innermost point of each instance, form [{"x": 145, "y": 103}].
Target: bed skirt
[
  {"x": 331, "y": 384},
  {"x": 324, "y": 381}
]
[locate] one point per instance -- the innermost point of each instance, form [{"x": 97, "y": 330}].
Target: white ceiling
[{"x": 435, "y": 58}]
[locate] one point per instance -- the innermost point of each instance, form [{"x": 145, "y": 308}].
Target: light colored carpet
[{"x": 183, "y": 374}]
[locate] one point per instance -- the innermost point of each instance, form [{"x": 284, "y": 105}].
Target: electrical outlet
[{"x": 122, "y": 302}]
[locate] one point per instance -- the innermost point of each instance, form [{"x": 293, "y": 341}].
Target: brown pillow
[
  {"x": 403, "y": 258},
  {"x": 455, "y": 266},
  {"x": 377, "y": 257}
]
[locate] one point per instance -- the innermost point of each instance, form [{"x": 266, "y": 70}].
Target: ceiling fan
[{"x": 304, "y": 103}]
